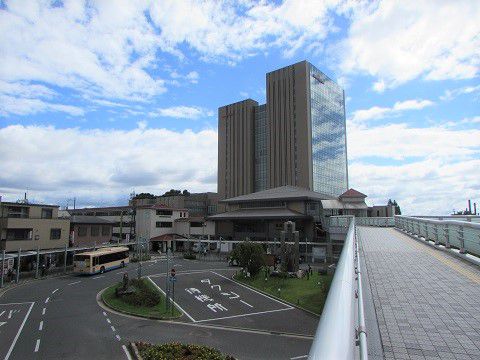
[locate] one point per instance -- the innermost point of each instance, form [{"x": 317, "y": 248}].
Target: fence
[
  {"x": 463, "y": 235},
  {"x": 60, "y": 259},
  {"x": 375, "y": 221},
  {"x": 342, "y": 324}
]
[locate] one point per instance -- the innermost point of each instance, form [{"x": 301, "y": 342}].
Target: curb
[
  {"x": 136, "y": 353},
  {"x": 121, "y": 312},
  {"x": 277, "y": 298}
]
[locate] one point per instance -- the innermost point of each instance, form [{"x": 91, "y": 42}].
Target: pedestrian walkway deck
[{"x": 427, "y": 302}]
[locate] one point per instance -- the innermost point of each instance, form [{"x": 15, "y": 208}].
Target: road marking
[
  {"x": 118, "y": 337},
  {"x": 299, "y": 357},
  {"x": 108, "y": 320},
  {"x": 2, "y": 323},
  {"x": 73, "y": 283},
  {"x": 187, "y": 272},
  {"x": 244, "y": 302},
  {"x": 43, "y": 311},
  {"x": 126, "y": 352},
  {"x": 19, "y": 331},
  {"x": 40, "y": 327},
  {"x": 242, "y": 315},
  {"x": 46, "y": 300},
  {"x": 54, "y": 291},
  {"x": 255, "y": 291},
  {"x": 104, "y": 313},
  {"x": 113, "y": 329},
  {"x": 10, "y": 314},
  {"x": 98, "y": 277},
  {"x": 176, "y": 304},
  {"x": 37, "y": 345},
  {"x": 3, "y": 312}
]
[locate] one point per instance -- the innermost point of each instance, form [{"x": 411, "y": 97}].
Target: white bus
[{"x": 101, "y": 260}]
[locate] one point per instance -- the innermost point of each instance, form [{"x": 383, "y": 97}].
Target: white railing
[
  {"x": 463, "y": 235},
  {"x": 341, "y": 331},
  {"x": 375, "y": 221}
]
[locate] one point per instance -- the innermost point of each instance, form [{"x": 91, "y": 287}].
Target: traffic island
[
  {"x": 305, "y": 293},
  {"x": 177, "y": 351},
  {"x": 140, "y": 298}
]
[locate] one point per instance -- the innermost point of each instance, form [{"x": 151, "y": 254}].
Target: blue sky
[{"x": 98, "y": 99}]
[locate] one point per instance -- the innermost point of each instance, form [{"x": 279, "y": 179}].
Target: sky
[{"x": 102, "y": 98}]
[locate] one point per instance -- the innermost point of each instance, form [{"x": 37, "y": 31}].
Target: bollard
[
  {"x": 3, "y": 268},
  {"x": 18, "y": 267},
  {"x": 38, "y": 263},
  {"x": 65, "y": 261}
]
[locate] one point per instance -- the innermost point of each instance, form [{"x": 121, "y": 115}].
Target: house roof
[
  {"x": 85, "y": 219},
  {"x": 259, "y": 213},
  {"x": 160, "y": 207},
  {"x": 167, "y": 237},
  {"x": 352, "y": 193},
  {"x": 286, "y": 192}
]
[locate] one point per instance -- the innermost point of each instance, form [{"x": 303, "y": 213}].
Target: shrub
[
  {"x": 172, "y": 351},
  {"x": 189, "y": 256},
  {"x": 143, "y": 294},
  {"x": 249, "y": 256}
]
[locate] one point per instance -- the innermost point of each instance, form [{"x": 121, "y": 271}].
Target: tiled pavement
[{"x": 427, "y": 302}]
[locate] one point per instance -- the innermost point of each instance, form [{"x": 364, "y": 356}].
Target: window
[
  {"x": 18, "y": 212},
  {"x": 163, "y": 224},
  {"x": 95, "y": 230},
  {"x": 196, "y": 224},
  {"x": 55, "y": 234},
  {"x": 82, "y": 231},
  {"x": 46, "y": 213},
  {"x": 107, "y": 258},
  {"x": 19, "y": 234},
  {"x": 105, "y": 230},
  {"x": 164, "y": 212}
]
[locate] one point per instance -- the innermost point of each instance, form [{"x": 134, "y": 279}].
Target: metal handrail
[{"x": 342, "y": 324}]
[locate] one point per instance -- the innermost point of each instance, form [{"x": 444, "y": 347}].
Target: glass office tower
[{"x": 329, "y": 149}]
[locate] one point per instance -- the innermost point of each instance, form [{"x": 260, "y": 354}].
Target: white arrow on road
[{"x": 2, "y": 323}]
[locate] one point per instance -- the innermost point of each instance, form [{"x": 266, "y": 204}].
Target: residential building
[
  {"x": 197, "y": 204},
  {"x": 164, "y": 226},
  {"x": 297, "y": 138},
  {"x": 90, "y": 230},
  {"x": 28, "y": 226},
  {"x": 122, "y": 217}
]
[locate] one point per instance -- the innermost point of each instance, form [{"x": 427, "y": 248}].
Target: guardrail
[
  {"x": 341, "y": 331},
  {"x": 375, "y": 221},
  {"x": 463, "y": 235}
]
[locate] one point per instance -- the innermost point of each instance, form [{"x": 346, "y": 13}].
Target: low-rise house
[
  {"x": 28, "y": 226},
  {"x": 89, "y": 230}
]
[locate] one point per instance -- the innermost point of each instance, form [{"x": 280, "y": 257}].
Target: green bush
[
  {"x": 189, "y": 256},
  {"x": 177, "y": 351},
  {"x": 143, "y": 294},
  {"x": 249, "y": 256}
]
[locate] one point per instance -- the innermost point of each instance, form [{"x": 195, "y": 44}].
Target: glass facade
[
  {"x": 329, "y": 152},
  {"x": 260, "y": 148}
]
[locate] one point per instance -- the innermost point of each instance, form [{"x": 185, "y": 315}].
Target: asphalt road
[{"x": 60, "y": 318}]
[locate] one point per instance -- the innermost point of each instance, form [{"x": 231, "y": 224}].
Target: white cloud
[
  {"x": 398, "y": 41},
  {"x": 55, "y": 164},
  {"x": 10, "y": 105},
  {"x": 451, "y": 94},
  {"x": 430, "y": 170},
  {"x": 377, "y": 112},
  {"x": 182, "y": 112}
]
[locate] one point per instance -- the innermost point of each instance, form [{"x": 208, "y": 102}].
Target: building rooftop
[
  {"x": 26, "y": 204},
  {"x": 286, "y": 192},
  {"x": 122, "y": 207},
  {"x": 259, "y": 214},
  {"x": 337, "y": 204},
  {"x": 352, "y": 193},
  {"x": 160, "y": 207},
  {"x": 84, "y": 219}
]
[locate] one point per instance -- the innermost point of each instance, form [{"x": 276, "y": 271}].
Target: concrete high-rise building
[{"x": 297, "y": 138}]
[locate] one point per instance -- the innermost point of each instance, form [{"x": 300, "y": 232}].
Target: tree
[
  {"x": 144, "y": 196},
  {"x": 249, "y": 256},
  {"x": 186, "y": 192},
  {"x": 172, "y": 192},
  {"x": 397, "y": 208}
]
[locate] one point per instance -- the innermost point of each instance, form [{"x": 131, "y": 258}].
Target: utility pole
[{"x": 167, "y": 284}]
